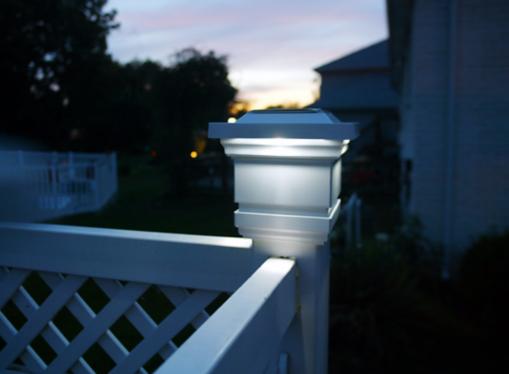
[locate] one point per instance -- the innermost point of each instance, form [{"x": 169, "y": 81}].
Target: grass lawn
[{"x": 143, "y": 203}]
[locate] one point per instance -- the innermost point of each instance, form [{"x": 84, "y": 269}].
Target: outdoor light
[{"x": 287, "y": 171}]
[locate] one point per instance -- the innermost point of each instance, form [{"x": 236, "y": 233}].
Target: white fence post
[
  {"x": 287, "y": 183},
  {"x": 96, "y": 183},
  {"x": 54, "y": 182},
  {"x": 113, "y": 172}
]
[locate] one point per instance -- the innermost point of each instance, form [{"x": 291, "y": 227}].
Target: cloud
[{"x": 258, "y": 36}]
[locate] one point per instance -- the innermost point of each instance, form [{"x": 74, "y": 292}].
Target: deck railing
[
  {"x": 62, "y": 183},
  {"x": 162, "y": 284},
  {"x": 90, "y": 300}
]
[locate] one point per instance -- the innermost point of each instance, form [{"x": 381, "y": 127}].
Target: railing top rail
[
  {"x": 193, "y": 261},
  {"x": 244, "y": 335},
  {"x": 221, "y": 241}
]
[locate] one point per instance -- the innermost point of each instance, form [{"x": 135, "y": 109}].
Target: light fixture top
[{"x": 282, "y": 123}]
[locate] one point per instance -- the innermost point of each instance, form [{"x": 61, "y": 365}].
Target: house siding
[{"x": 477, "y": 105}]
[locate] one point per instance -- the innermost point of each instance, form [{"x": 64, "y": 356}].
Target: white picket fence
[{"x": 63, "y": 183}]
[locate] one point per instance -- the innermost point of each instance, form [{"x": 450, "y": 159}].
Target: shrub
[
  {"x": 483, "y": 286},
  {"x": 483, "y": 280},
  {"x": 386, "y": 312}
]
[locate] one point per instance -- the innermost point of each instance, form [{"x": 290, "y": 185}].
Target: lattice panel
[{"x": 56, "y": 323}]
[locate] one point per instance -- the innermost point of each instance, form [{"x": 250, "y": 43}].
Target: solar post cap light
[{"x": 287, "y": 167}]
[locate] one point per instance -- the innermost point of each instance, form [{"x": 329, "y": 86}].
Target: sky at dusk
[{"x": 272, "y": 46}]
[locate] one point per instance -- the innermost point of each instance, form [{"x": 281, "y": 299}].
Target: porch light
[{"x": 287, "y": 171}]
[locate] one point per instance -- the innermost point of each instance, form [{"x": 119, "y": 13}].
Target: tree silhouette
[
  {"x": 194, "y": 90},
  {"x": 51, "y": 49},
  {"x": 61, "y": 87}
]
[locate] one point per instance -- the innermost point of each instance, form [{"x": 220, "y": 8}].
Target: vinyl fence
[{"x": 59, "y": 184}]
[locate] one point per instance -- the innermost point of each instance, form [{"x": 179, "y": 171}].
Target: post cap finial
[{"x": 285, "y": 123}]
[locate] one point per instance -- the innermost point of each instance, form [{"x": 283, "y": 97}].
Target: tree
[
  {"x": 61, "y": 86},
  {"x": 51, "y": 51},
  {"x": 114, "y": 111},
  {"x": 194, "y": 90}
]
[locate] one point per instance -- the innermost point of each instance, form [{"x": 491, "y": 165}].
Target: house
[
  {"x": 357, "y": 88},
  {"x": 451, "y": 67}
]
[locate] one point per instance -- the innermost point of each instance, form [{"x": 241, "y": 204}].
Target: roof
[
  {"x": 369, "y": 91},
  {"x": 375, "y": 56},
  {"x": 363, "y": 83}
]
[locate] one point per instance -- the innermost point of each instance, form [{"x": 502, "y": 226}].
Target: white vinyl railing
[
  {"x": 188, "y": 272},
  {"x": 62, "y": 183}
]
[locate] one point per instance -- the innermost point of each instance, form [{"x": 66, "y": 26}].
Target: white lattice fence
[{"x": 58, "y": 322}]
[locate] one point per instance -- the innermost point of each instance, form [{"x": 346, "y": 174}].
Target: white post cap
[{"x": 287, "y": 171}]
